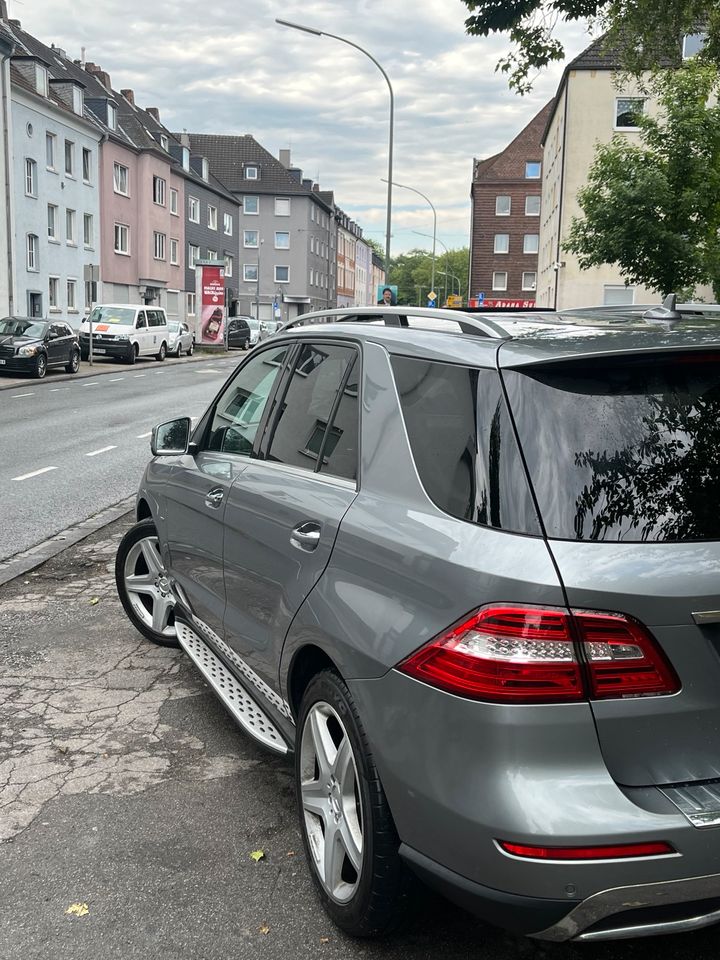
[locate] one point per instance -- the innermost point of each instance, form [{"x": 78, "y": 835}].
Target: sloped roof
[{"x": 509, "y": 164}]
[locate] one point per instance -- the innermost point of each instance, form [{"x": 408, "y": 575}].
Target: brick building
[{"x": 505, "y": 229}]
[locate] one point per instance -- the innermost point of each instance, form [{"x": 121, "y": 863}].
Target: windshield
[
  {"x": 121, "y": 315},
  {"x": 173, "y": 326},
  {"x": 13, "y": 327},
  {"x": 623, "y": 449},
  {"x": 252, "y": 323}
]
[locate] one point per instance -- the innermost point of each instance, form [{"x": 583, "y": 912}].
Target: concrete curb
[{"x": 26, "y": 561}]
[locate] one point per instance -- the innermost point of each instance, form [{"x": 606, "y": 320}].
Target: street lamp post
[
  {"x": 257, "y": 287},
  {"x": 432, "y": 207},
  {"x": 447, "y": 253},
  {"x": 389, "y": 181}
]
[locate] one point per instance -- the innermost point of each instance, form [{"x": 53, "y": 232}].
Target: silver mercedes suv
[{"x": 467, "y": 571}]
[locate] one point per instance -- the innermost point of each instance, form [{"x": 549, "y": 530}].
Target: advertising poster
[
  {"x": 387, "y": 294},
  {"x": 212, "y": 304}
]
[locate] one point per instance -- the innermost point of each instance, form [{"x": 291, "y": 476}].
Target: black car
[
  {"x": 31, "y": 346},
  {"x": 238, "y": 333}
]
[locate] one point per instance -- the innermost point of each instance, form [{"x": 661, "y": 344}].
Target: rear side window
[
  {"x": 317, "y": 425},
  {"x": 623, "y": 449},
  {"x": 463, "y": 443}
]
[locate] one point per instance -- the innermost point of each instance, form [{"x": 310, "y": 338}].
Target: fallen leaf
[
  {"x": 291, "y": 853},
  {"x": 94, "y": 601},
  {"x": 264, "y": 930},
  {"x": 324, "y": 939},
  {"x": 257, "y": 855},
  {"x": 78, "y": 909}
]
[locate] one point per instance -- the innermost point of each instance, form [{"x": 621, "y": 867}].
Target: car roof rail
[{"x": 398, "y": 317}]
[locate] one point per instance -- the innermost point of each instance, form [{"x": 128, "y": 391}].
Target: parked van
[{"x": 125, "y": 331}]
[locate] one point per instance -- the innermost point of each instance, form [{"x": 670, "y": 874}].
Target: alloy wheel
[{"x": 148, "y": 587}]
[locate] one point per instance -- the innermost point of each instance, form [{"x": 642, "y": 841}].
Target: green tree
[
  {"x": 412, "y": 272},
  {"x": 643, "y": 34},
  {"x": 654, "y": 208}
]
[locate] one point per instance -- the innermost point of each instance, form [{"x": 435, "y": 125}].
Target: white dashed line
[
  {"x": 139, "y": 376},
  {"x": 35, "y": 473},
  {"x": 93, "y": 384},
  {"x": 17, "y": 396},
  {"x": 117, "y": 379},
  {"x": 101, "y": 450},
  {"x": 143, "y": 436}
]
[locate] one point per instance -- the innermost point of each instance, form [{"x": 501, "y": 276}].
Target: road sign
[
  {"x": 481, "y": 298},
  {"x": 454, "y": 300}
]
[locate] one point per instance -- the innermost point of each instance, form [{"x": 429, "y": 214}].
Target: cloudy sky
[{"x": 227, "y": 67}]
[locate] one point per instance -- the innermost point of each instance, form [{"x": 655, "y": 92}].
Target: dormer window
[
  {"x": 205, "y": 169},
  {"x": 78, "y": 101},
  {"x": 185, "y": 158},
  {"x": 251, "y": 173},
  {"x": 164, "y": 142},
  {"x": 112, "y": 116},
  {"x": 41, "y": 79}
]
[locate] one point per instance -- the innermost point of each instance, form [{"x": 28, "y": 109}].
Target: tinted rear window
[
  {"x": 623, "y": 449},
  {"x": 463, "y": 444}
]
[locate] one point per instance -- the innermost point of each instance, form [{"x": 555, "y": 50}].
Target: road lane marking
[
  {"x": 101, "y": 450},
  {"x": 143, "y": 436},
  {"x": 117, "y": 379},
  {"x": 35, "y": 473},
  {"x": 207, "y": 370},
  {"x": 93, "y": 384},
  {"x": 17, "y": 396},
  {"x": 139, "y": 376}
]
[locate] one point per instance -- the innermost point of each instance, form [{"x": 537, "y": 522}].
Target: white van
[{"x": 125, "y": 331}]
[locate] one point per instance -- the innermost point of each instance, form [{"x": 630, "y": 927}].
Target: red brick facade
[{"x": 504, "y": 219}]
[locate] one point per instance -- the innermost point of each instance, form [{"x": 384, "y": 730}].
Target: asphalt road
[{"x": 70, "y": 448}]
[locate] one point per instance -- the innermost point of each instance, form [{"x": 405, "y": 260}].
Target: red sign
[
  {"x": 502, "y": 304},
  {"x": 212, "y": 305}
]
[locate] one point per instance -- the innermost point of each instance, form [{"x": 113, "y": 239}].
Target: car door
[
  {"x": 141, "y": 332},
  {"x": 55, "y": 345},
  {"x": 193, "y": 489},
  {"x": 284, "y": 510}
]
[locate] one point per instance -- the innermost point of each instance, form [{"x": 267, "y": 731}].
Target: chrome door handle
[
  {"x": 306, "y": 536},
  {"x": 214, "y": 497}
]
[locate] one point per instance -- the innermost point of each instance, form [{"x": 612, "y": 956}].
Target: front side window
[
  {"x": 193, "y": 210},
  {"x": 463, "y": 443},
  {"x": 282, "y": 206},
  {"x": 503, "y": 205},
  {"x": 312, "y": 430},
  {"x": 121, "y": 179},
  {"x": 240, "y": 408},
  {"x": 627, "y": 111},
  {"x": 502, "y": 243},
  {"x": 251, "y": 205},
  {"x": 282, "y": 274},
  {"x": 159, "y": 191}
]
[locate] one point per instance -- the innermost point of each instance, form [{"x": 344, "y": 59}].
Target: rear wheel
[
  {"x": 349, "y": 835},
  {"x": 191, "y": 348},
  {"x": 73, "y": 365},
  {"x": 143, "y": 585},
  {"x": 162, "y": 352},
  {"x": 132, "y": 354},
  {"x": 40, "y": 366}
]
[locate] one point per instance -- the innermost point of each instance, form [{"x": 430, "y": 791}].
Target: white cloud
[{"x": 229, "y": 68}]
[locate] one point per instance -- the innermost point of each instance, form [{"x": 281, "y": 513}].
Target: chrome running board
[{"x": 231, "y": 692}]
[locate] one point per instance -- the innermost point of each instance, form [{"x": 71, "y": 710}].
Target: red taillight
[
  {"x": 616, "y": 851},
  {"x": 514, "y": 654}
]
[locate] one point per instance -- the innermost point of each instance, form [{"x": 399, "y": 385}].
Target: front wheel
[
  {"x": 348, "y": 831},
  {"x": 143, "y": 585},
  {"x": 132, "y": 354},
  {"x": 162, "y": 352},
  {"x": 40, "y": 366},
  {"x": 73, "y": 365}
]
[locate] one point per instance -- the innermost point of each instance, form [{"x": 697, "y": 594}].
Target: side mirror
[{"x": 171, "y": 439}]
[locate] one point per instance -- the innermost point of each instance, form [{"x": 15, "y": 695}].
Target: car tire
[
  {"x": 191, "y": 348},
  {"x": 84, "y": 356},
  {"x": 143, "y": 585},
  {"x": 39, "y": 368},
  {"x": 364, "y": 887},
  {"x": 74, "y": 363},
  {"x": 132, "y": 354},
  {"x": 162, "y": 352}
]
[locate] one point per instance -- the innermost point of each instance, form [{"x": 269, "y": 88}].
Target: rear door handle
[
  {"x": 214, "y": 497},
  {"x": 306, "y": 536}
]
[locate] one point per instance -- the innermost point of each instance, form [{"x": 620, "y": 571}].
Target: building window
[
  {"x": 72, "y": 294},
  {"x": 164, "y": 142},
  {"x": 32, "y": 252},
  {"x": 78, "y": 101},
  {"x": 529, "y": 280},
  {"x": 173, "y": 201},
  {"x": 52, "y": 221},
  {"x": 311, "y": 278},
  {"x": 174, "y": 247},
  {"x": 190, "y": 304},
  {"x": 251, "y": 238},
  {"x": 121, "y": 179},
  {"x": 50, "y": 139},
  {"x": 251, "y": 205},
  {"x": 693, "y": 44},
  {"x": 87, "y": 165},
  {"x": 69, "y": 158},
  {"x": 282, "y": 206},
  {"x": 282, "y": 240},
  {"x": 618, "y": 295},
  {"x": 532, "y": 206},
  {"x": 227, "y": 224},
  {"x": 70, "y": 230},
  {"x": 251, "y": 173},
  {"x": 41, "y": 79},
  {"x": 88, "y": 237},
  {"x": 212, "y": 218},
  {"x": 159, "y": 191},
  {"x": 530, "y": 243},
  {"x": 503, "y": 206},
  {"x": 122, "y": 238},
  {"x": 627, "y": 111},
  {"x": 228, "y": 266},
  {"x": 250, "y": 272},
  {"x": 30, "y": 178},
  {"x": 499, "y": 280},
  {"x": 193, "y": 210},
  {"x": 193, "y": 254},
  {"x": 205, "y": 169},
  {"x": 159, "y": 245},
  {"x": 212, "y": 255},
  {"x": 533, "y": 170},
  {"x": 112, "y": 116},
  {"x": 502, "y": 243},
  {"x": 282, "y": 274},
  {"x": 53, "y": 290}
]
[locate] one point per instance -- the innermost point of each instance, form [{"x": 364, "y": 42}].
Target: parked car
[
  {"x": 268, "y": 328},
  {"x": 125, "y": 332},
  {"x": 238, "y": 333},
  {"x": 465, "y": 569},
  {"x": 31, "y": 346},
  {"x": 180, "y": 337},
  {"x": 254, "y": 330}
]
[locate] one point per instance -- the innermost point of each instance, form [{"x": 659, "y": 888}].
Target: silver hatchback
[{"x": 464, "y": 569}]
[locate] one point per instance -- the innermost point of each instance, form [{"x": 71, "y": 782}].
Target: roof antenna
[{"x": 667, "y": 312}]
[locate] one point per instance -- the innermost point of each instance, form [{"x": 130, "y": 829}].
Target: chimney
[
  {"x": 58, "y": 51},
  {"x": 295, "y": 173},
  {"x": 307, "y": 183},
  {"x": 185, "y": 139},
  {"x": 316, "y": 188},
  {"x": 154, "y": 113},
  {"x": 129, "y": 96},
  {"x": 99, "y": 74},
  {"x": 284, "y": 157}
]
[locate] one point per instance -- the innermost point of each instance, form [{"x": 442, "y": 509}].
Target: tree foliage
[
  {"x": 643, "y": 34},
  {"x": 412, "y": 272},
  {"x": 653, "y": 208}
]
